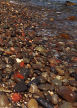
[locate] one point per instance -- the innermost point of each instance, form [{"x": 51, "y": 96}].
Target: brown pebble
[
  {"x": 4, "y": 102},
  {"x": 55, "y": 99},
  {"x": 60, "y": 71},
  {"x": 73, "y": 83},
  {"x": 67, "y": 94},
  {"x": 34, "y": 89},
  {"x": 32, "y": 103}
]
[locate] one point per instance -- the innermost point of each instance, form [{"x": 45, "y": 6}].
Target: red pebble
[
  {"x": 16, "y": 97},
  {"x": 18, "y": 75},
  {"x": 22, "y": 64},
  {"x": 74, "y": 59},
  {"x": 23, "y": 34}
]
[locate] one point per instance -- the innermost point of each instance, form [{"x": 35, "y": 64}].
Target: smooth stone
[
  {"x": 44, "y": 103},
  {"x": 65, "y": 82},
  {"x": 25, "y": 72},
  {"x": 20, "y": 87},
  {"x": 60, "y": 70},
  {"x": 73, "y": 83},
  {"x": 44, "y": 86},
  {"x": 46, "y": 76},
  {"x": 34, "y": 89},
  {"x": 55, "y": 99},
  {"x": 32, "y": 103},
  {"x": 40, "y": 49},
  {"x": 4, "y": 102},
  {"x": 57, "y": 82},
  {"x": 67, "y": 94},
  {"x": 66, "y": 105}
]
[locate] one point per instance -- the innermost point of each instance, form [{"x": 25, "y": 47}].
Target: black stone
[
  {"x": 25, "y": 72},
  {"x": 20, "y": 87},
  {"x": 44, "y": 103}
]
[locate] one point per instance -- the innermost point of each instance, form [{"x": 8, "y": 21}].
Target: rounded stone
[
  {"x": 4, "y": 102},
  {"x": 67, "y": 94},
  {"x": 32, "y": 103},
  {"x": 66, "y": 104},
  {"x": 55, "y": 99},
  {"x": 57, "y": 82}
]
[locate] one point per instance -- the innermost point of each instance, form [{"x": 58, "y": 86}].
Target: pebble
[
  {"x": 55, "y": 99},
  {"x": 45, "y": 87},
  {"x": 69, "y": 105},
  {"x": 60, "y": 70},
  {"x": 67, "y": 94},
  {"x": 41, "y": 49},
  {"x": 25, "y": 72},
  {"x": 34, "y": 90},
  {"x": 37, "y": 80},
  {"x": 20, "y": 87},
  {"x": 32, "y": 103},
  {"x": 44, "y": 103},
  {"x": 57, "y": 82},
  {"x": 16, "y": 97},
  {"x": 19, "y": 60},
  {"x": 73, "y": 83},
  {"x": 4, "y": 102}
]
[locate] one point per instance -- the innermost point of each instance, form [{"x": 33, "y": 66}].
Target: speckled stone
[
  {"x": 32, "y": 103},
  {"x": 4, "y": 102},
  {"x": 55, "y": 98}
]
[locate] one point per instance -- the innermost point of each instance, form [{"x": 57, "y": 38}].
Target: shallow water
[
  {"x": 47, "y": 3},
  {"x": 60, "y": 14}
]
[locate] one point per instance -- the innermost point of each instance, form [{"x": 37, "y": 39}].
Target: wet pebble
[
  {"x": 73, "y": 83},
  {"x": 20, "y": 87},
  {"x": 44, "y": 87},
  {"x": 55, "y": 99},
  {"x": 74, "y": 74},
  {"x": 16, "y": 97},
  {"x": 60, "y": 70},
  {"x": 25, "y": 72},
  {"x": 40, "y": 49},
  {"x": 57, "y": 82},
  {"x": 67, "y": 94},
  {"x": 32, "y": 103},
  {"x": 4, "y": 102},
  {"x": 37, "y": 80},
  {"x": 44, "y": 103},
  {"x": 34, "y": 90},
  {"x": 69, "y": 105}
]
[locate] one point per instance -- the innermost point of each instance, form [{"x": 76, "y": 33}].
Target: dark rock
[
  {"x": 25, "y": 72},
  {"x": 44, "y": 103},
  {"x": 37, "y": 81},
  {"x": 20, "y": 87},
  {"x": 38, "y": 72},
  {"x": 73, "y": 74},
  {"x": 73, "y": 83},
  {"x": 44, "y": 87},
  {"x": 11, "y": 61}
]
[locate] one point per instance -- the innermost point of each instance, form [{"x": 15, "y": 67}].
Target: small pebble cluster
[{"x": 35, "y": 71}]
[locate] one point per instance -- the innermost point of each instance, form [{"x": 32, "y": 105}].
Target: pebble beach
[{"x": 38, "y": 56}]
